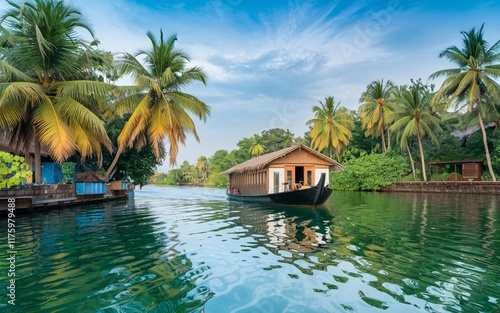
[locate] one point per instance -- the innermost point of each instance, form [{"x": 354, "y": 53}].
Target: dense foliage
[
  {"x": 370, "y": 172},
  {"x": 13, "y": 170},
  {"x": 53, "y": 98},
  {"x": 133, "y": 165}
]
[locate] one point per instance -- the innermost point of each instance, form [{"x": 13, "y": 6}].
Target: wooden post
[{"x": 437, "y": 178}]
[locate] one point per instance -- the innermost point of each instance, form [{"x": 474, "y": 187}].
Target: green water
[{"x": 174, "y": 249}]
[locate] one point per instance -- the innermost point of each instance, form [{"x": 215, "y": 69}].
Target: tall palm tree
[
  {"x": 40, "y": 104},
  {"x": 472, "y": 84},
  {"x": 202, "y": 167},
  {"x": 331, "y": 127},
  {"x": 256, "y": 148},
  {"x": 160, "y": 110},
  {"x": 414, "y": 117},
  {"x": 376, "y": 103}
]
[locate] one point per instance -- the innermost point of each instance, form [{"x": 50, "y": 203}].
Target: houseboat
[{"x": 296, "y": 175}]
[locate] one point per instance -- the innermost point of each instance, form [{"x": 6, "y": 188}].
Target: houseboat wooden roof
[
  {"x": 90, "y": 177},
  {"x": 263, "y": 161}
]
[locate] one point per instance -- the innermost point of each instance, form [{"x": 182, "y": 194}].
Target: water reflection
[
  {"x": 175, "y": 250},
  {"x": 110, "y": 259}
]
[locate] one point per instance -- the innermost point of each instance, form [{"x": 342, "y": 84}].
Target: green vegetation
[
  {"x": 68, "y": 171},
  {"x": 331, "y": 127},
  {"x": 370, "y": 172},
  {"x": 13, "y": 170},
  {"x": 53, "y": 94},
  {"x": 159, "y": 109},
  {"x": 57, "y": 96},
  {"x": 472, "y": 84},
  {"x": 45, "y": 87}
]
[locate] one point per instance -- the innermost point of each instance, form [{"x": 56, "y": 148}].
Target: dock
[{"x": 27, "y": 198}]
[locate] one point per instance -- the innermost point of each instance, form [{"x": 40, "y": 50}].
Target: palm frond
[{"x": 54, "y": 134}]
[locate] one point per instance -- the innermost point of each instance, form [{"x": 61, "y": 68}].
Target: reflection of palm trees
[{"x": 490, "y": 228}]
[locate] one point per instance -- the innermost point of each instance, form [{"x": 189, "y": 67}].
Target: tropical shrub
[
  {"x": 13, "y": 170},
  {"x": 68, "y": 171},
  {"x": 370, "y": 172},
  {"x": 217, "y": 180}
]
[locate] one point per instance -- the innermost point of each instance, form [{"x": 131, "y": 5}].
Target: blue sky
[{"x": 268, "y": 62}]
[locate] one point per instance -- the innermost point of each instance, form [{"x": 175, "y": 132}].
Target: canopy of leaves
[
  {"x": 370, "y": 172},
  {"x": 13, "y": 170}
]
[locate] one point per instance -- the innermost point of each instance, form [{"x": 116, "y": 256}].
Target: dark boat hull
[{"x": 308, "y": 196}]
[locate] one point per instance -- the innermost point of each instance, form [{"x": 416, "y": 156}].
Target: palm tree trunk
[
  {"x": 412, "y": 162},
  {"x": 485, "y": 142},
  {"x": 388, "y": 139},
  {"x": 113, "y": 164},
  {"x": 38, "y": 161},
  {"x": 422, "y": 156},
  {"x": 384, "y": 148}
]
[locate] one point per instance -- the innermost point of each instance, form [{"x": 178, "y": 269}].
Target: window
[
  {"x": 309, "y": 178},
  {"x": 276, "y": 182}
]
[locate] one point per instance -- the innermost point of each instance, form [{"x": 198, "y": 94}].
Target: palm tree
[
  {"x": 472, "y": 84},
  {"x": 40, "y": 104},
  {"x": 202, "y": 167},
  {"x": 159, "y": 109},
  {"x": 376, "y": 103},
  {"x": 414, "y": 117},
  {"x": 256, "y": 148},
  {"x": 331, "y": 127}
]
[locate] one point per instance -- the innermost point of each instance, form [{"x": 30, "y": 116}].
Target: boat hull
[{"x": 308, "y": 196}]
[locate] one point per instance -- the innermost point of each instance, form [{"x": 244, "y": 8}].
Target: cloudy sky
[{"x": 268, "y": 62}]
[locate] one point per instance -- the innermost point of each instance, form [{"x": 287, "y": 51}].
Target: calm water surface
[{"x": 174, "y": 249}]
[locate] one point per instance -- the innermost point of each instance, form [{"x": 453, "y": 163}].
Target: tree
[
  {"x": 472, "y": 84},
  {"x": 276, "y": 139},
  {"x": 159, "y": 108},
  {"x": 39, "y": 101},
  {"x": 332, "y": 127},
  {"x": 202, "y": 167},
  {"x": 414, "y": 117},
  {"x": 370, "y": 172},
  {"x": 257, "y": 147},
  {"x": 376, "y": 103}
]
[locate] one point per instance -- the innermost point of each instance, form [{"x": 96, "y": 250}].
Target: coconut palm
[
  {"x": 472, "y": 84},
  {"x": 202, "y": 166},
  {"x": 331, "y": 127},
  {"x": 256, "y": 148},
  {"x": 413, "y": 117},
  {"x": 39, "y": 103},
  {"x": 376, "y": 103},
  {"x": 160, "y": 110}
]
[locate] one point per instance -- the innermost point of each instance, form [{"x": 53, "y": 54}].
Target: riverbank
[
  {"x": 473, "y": 187},
  {"x": 31, "y": 197}
]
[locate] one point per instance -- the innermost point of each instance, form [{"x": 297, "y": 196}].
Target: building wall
[
  {"x": 318, "y": 172},
  {"x": 281, "y": 172},
  {"x": 249, "y": 183},
  {"x": 299, "y": 158}
]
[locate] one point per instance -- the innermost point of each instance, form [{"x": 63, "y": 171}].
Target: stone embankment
[{"x": 475, "y": 187}]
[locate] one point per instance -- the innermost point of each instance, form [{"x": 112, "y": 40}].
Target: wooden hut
[
  {"x": 90, "y": 185},
  {"x": 472, "y": 170},
  {"x": 287, "y": 169}
]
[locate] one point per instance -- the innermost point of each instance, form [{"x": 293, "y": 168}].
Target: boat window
[
  {"x": 289, "y": 176},
  {"x": 309, "y": 178},
  {"x": 276, "y": 182}
]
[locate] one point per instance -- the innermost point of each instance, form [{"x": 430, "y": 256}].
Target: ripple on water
[{"x": 189, "y": 250}]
